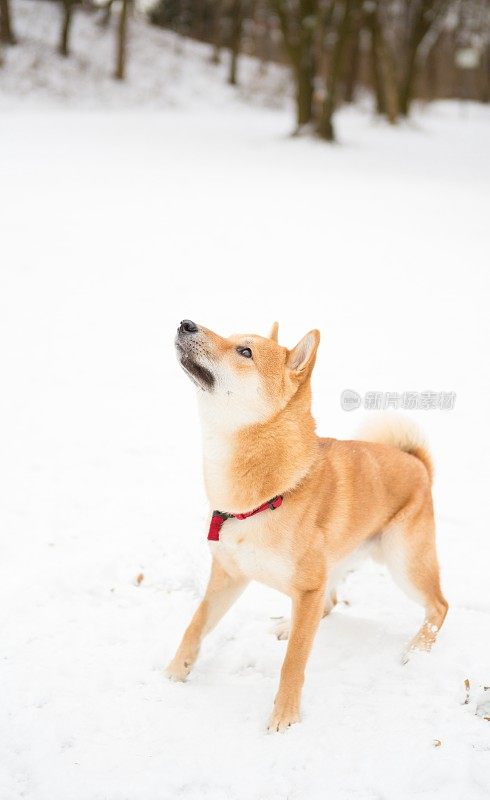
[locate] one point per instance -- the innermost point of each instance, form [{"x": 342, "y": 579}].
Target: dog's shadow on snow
[
  {"x": 344, "y": 642},
  {"x": 354, "y": 640}
]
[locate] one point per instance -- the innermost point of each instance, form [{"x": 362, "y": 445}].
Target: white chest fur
[{"x": 246, "y": 547}]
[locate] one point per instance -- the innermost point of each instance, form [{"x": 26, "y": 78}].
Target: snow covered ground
[{"x": 116, "y": 225}]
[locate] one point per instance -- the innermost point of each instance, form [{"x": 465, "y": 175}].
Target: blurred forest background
[{"x": 396, "y": 51}]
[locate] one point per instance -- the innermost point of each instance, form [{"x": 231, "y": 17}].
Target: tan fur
[
  {"x": 343, "y": 500},
  {"x": 274, "y": 332},
  {"x": 399, "y": 432}
]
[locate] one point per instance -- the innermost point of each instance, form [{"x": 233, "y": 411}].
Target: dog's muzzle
[{"x": 189, "y": 347}]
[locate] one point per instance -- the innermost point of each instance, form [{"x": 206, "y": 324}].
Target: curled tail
[{"x": 400, "y": 432}]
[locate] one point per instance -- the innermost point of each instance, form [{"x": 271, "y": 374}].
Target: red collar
[{"x": 221, "y": 516}]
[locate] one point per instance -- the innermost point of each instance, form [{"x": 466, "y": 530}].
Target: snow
[{"x": 114, "y": 226}]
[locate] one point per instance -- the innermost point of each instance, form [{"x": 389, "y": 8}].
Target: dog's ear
[
  {"x": 274, "y": 332},
  {"x": 301, "y": 359}
]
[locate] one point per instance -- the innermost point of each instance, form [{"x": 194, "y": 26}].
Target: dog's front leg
[
  {"x": 307, "y": 612},
  {"x": 222, "y": 591}
]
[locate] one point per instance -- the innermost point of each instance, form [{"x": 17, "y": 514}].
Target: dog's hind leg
[
  {"x": 282, "y": 628},
  {"x": 408, "y": 549},
  {"x": 222, "y": 591}
]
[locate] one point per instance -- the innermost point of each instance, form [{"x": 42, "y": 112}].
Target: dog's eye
[{"x": 244, "y": 351}]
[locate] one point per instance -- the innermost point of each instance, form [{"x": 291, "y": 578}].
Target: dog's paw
[
  {"x": 422, "y": 642},
  {"x": 282, "y": 629},
  {"x": 178, "y": 670},
  {"x": 414, "y": 652},
  {"x": 283, "y": 716}
]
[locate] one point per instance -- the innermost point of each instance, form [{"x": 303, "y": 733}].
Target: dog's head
[{"x": 244, "y": 378}]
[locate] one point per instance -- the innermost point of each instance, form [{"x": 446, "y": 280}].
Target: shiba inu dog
[{"x": 291, "y": 509}]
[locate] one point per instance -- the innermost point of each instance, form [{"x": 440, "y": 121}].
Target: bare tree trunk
[
  {"x": 304, "y": 91},
  {"x": 375, "y": 65},
  {"x": 105, "y": 17},
  {"x": 6, "y": 29},
  {"x": 405, "y": 95},
  {"x": 485, "y": 93},
  {"x": 198, "y": 26},
  {"x": 352, "y": 60},
  {"x": 427, "y": 14},
  {"x": 64, "y": 45},
  {"x": 265, "y": 47},
  {"x": 383, "y": 67},
  {"x": 216, "y": 35},
  {"x": 300, "y": 50},
  {"x": 122, "y": 34},
  {"x": 388, "y": 71},
  {"x": 325, "y": 128},
  {"x": 235, "y": 39},
  {"x": 306, "y": 67},
  {"x": 430, "y": 76}
]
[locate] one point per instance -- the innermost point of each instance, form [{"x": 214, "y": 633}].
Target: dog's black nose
[{"x": 187, "y": 326}]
